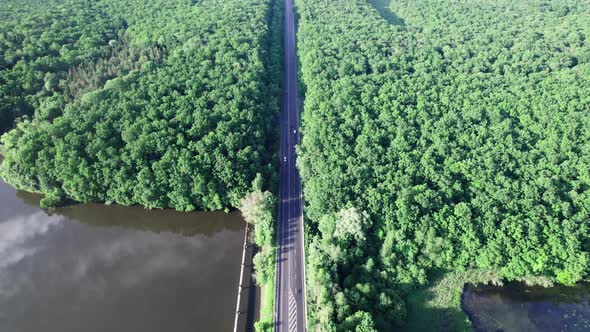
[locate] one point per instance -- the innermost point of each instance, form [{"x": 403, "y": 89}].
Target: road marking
[{"x": 292, "y": 312}]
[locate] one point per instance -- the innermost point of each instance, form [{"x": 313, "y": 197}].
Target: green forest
[
  {"x": 164, "y": 104},
  {"x": 440, "y": 136},
  {"x": 443, "y": 141}
]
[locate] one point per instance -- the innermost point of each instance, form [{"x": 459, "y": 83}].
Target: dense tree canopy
[
  {"x": 441, "y": 135},
  {"x": 163, "y": 104},
  {"x": 39, "y": 40}
]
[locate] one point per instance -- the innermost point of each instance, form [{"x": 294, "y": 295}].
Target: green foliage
[
  {"x": 360, "y": 321},
  {"x": 39, "y": 41},
  {"x": 351, "y": 226},
  {"x": 342, "y": 281},
  {"x": 52, "y": 200},
  {"x": 166, "y": 105},
  {"x": 259, "y": 208},
  {"x": 264, "y": 265},
  {"x": 459, "y": 128}
]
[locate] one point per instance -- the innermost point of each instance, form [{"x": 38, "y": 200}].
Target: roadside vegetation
[
  {"x": 259, "y": 209},
  {"x": 166, "y": 105},
  {"x": 440, "y": 136}
]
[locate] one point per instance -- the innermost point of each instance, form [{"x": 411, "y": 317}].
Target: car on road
[
  {"x": 294, "y": 131},
  {"x": 285, "y": 159}
]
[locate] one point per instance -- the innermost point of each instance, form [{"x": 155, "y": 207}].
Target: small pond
[{"x": 517, "y": 307}]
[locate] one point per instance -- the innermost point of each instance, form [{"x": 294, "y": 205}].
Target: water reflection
[
  {"x": 136, "y": 217},
  {"x": 516, "y": 307},
  {"x": 111, "y": 268},
  {"x": 17, "y": 236}
]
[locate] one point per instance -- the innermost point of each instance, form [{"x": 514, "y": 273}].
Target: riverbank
[
  {"x": 462, "y": 301},
  {"x": 437, "y": 307},
  {"x": 249, "y": 294}
]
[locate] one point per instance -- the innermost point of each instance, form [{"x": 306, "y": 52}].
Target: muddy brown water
[
  {"x": 517, "y": 307},
  {"x": 91, "y": 267}
]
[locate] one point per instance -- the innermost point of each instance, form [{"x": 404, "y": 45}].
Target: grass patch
[
  {"x": 437, "y": 307},
  {"x": 267, "y": 304}
]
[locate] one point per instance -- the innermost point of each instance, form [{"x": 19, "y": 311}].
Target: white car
[
  {"x": 285, "y": 158},
  {"x": 294, "y": 131}
]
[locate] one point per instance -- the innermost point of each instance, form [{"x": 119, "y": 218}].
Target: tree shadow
[{"x": 382, "y": 7}]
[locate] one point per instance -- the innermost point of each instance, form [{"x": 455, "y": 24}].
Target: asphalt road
[{"x": 290, "y": 288}]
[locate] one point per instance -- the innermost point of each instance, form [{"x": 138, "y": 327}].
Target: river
[
  {"x": 516, "y": 307},
  {"x": 91, "y": 267}
]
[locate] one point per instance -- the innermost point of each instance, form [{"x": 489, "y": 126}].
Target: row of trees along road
[
  {"x": 441, "y": 135},
  {"x": 165, "y": 104}
]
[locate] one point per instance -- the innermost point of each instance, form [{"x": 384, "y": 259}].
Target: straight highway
[{"x": 290, "y": 287}]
